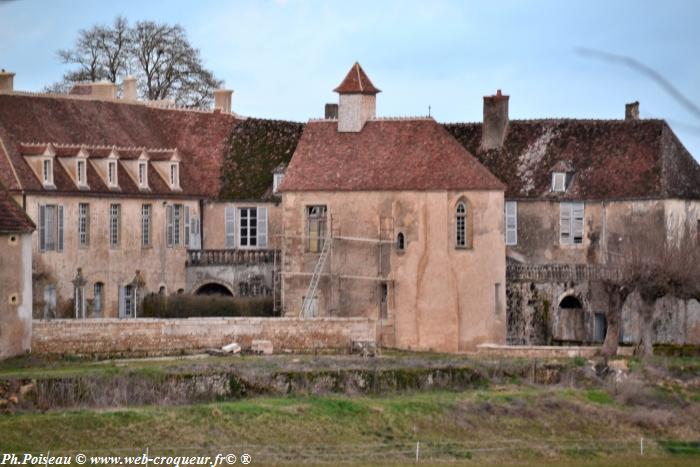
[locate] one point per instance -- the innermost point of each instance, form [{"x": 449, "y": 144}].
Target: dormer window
[
  {"x": 47, "y": 171},
  {"x": 112, "y": 173},
  {"x": 174, "y": 176},
  {"x": 143, "y": 175},
  {"x": 277, "y": 181},
  {"x": 80, "y": 173},
  {"x": 559, "y": 181}
]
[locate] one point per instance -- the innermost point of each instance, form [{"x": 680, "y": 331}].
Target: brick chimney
[
  {"x": 331, "y": 111},
  {"x": 222, "y": 100},
  {"x": 6, "y": 81},
  {"x": 493, "y": 131},
  {"x": 130, "y": 89},
  {"x": 632, "y": 111}
]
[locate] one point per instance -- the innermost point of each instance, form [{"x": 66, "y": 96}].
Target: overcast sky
[{"x": 283, "y": 58}]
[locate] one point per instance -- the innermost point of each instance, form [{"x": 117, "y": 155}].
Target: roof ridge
[
  {"x": 98, "y": 146},
  {"x": 564, "y": 119}
]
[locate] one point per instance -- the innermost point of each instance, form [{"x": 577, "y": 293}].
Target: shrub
[{"x": 190, "y": 306}]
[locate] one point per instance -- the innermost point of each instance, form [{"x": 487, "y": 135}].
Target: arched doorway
[
  {"x": 570, "y": 321},
  {"x": 213, "y": 288}
]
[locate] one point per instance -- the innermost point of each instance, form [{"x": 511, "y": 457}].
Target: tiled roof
[
  {"x": 12, "y": 218},
  {"x": 388, "y": 154},
  {"x": 356, "y": 82},
  {"x": 201, "y": 139},
  {"x": 610, "y": 159}
]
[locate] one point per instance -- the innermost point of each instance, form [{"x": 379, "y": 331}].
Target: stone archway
[
  {"x": 213, "y": 288},
  {"x": 570, "y": 320}
]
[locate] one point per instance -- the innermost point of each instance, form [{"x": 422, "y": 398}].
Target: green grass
[{"x": 598, "y": 396}]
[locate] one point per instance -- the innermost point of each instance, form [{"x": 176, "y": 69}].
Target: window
[
  {"x": 400, "y": 242},
  {"x": 112, "y": 173},
  {"x": 50, "y": 227},
  {"x": 511, "y": 223},
  {"x": 276, "y": 181},
  {"x": 143, "y": 175},
  {"x": 315, "y": 228},
  {"x": 558, "y": 181},
  {"x": 83, "y": 225},
  {"x": 252, "y": 227},
  {"x": 127, "y": 301},
  {"x": 600, "y": 327},
  {"x": 97, "y": 301},
  {"x": 80, "y": 173},
  {"x": 174, "y": 230},
  {"x": 47, "y": 171},
  {"x": 461, "y": 225},
  {"x": 114, "y": 225},
  {"x": 187, "y": 226},
  {"x": 230, "y": 225},
  {"x": 146, "y": 225},
  {"x": 174, "y": 178},
  {"x": 571, "y": 223}
]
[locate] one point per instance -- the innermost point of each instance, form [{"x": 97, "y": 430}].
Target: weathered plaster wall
[
  {"x": 231, "y": 276},
  {"x": 215, "y": 226},
  {"x": 159, "y": 265},
  {"x": 439, "y": 297},
  {"x": 15, "y": 294},
  {"x": 170, "y": 336}
]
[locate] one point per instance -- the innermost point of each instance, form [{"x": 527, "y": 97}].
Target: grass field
[{"x": 530, "y": 425}]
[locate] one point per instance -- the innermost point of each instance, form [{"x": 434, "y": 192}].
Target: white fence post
[
  {"x": 417, "y": 450},
  {"x": 641, "y": 446}
]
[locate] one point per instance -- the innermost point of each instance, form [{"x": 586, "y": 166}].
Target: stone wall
[
  {"x": 15, "y": 293},
  {"x": 171, "y": 336}
]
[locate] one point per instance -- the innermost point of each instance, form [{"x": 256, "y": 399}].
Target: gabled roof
[
  {"x": 201, "y": 139},
  {"x": 388, "y": 154},
  {"x": 356, "y": 82},
  {"x": 12, "y": 218},
  {"x": 610, "y": 159}
]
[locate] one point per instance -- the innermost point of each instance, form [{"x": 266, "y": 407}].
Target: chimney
[
  {"x": 6, "y": 81},
  {"x": 104, "y": 90},
  {"x": 331, "y": 111},
  {"x": 632, "y": 111},
  {"x": 493, "y": 131},
  {"x": 222, "y": 100},
  {"x": 130, "y": 92}
]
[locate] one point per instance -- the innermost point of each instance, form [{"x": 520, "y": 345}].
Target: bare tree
[
  {"x": 654, "y": 265},
  {"x": 158, "y": 54}
]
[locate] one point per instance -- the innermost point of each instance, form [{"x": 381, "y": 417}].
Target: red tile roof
[
  {"x": 12, "y": 218},
  {"x": 356, "y": 82},
  {"x": 610, "y": 159},
  {"x": 388, "y": 154},
  {"x": 201, "y": 138}
]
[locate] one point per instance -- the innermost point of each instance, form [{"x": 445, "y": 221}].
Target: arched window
[
  {"x": 461, "y": 225},
  {"x": 400, "y": 242},
  {"x": 570, "y": 302}
]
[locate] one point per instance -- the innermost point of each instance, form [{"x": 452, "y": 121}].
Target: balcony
[{"x": 230, "y": 257}]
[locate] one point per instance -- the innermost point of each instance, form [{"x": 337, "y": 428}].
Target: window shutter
[
  {"x": 230, "y": 221},
  {"x": 187, "y": 227},
  {"x": 262, "y": 227},
  {"x": 511, "y": 223},
  {"x": 42, "y": 227},
  {"x": 122, "y": 302},
  {"x": 565, "y": 223},
  {"x": 59, "y": 224},
  {"x": 577, "y": 222},
  {"x": 169, "y": 225}
]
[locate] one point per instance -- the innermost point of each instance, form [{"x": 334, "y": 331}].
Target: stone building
[
  {"x": 391, "y": 218},
  {"x": 15, "y": 277},
  {"x": 577, "y": 190}
]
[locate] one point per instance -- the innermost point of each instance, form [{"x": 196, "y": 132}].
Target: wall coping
[{"x": 203, "y": 319}]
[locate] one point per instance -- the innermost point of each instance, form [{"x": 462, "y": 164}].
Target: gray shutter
[
  {"x": 511, "y": 223},
  {"x": 187, "y": 227},
  {"x": 565, "y": 223},
  {"x": 169, "y": 225},
  {"x": 577, "y": 222},
  {"x": 42, "y": 227},
  {"x": 122, "y": 302},
  {"x": 230, "y": 222},
  {"x": 262, "y": 227},
  {"x": 59, "y": 227},
  {"x": 87, "y": 224}
]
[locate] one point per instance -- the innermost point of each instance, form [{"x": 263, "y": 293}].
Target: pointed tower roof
[{"x": 356, "y": 82}]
